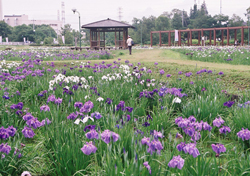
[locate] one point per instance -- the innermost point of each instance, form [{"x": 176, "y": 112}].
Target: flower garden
[{"x": 84, "y": 117}]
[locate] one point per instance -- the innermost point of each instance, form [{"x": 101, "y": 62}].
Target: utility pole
[
  {"x": 120, "y": 13},
  {"x": 220, "y": 6}
]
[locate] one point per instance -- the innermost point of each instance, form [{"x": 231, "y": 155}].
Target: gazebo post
[
  {"x": 235, "y": 34},
  {"x": 214, "y": 37},
  {"x": 222, "y": 37},
  {"x": 202, "y": 37},
  {"x": 169, "y": 38},
  {"x": 90, "y": 38},
  {"x": 191, "y": 38},
  {"x": 227, "y": 36},
  {"x": 188, "y": 36},
  {"x": 123, "y": 40},
  {"x": 160, "y": 38},
  {"x": 151, "y": 43},
  {"x": 179, "y": 38},
  {"x": 99, "y": 42},
  {"x": 210, "y": 37},
  {"x": 104, "y": 38},
  {"x": 115, "y": 39},
  {"x": 119, "y": 39},
  {"x": 242, "y": 36},
  {"x": 199, "y": 38}
]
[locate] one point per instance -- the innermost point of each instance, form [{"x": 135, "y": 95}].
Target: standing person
[{"x": 129, "y": 42}]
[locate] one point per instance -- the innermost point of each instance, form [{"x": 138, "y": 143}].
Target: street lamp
[
  {"x": 75, "y": 11},
  {"x": 141, "y": 30}
]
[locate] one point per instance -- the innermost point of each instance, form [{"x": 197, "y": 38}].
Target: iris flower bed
[
  {"x": 53, "y": 55},
  {"x": 119, "y": 118},
  {"x": 227, "y": 54}
]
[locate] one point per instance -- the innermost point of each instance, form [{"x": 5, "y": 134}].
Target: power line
[{"x": 120, "y": 13}]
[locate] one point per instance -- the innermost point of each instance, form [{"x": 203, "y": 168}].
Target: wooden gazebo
[{"x": 98, "y": 29}]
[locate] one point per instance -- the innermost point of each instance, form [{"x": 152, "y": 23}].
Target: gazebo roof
[{"x": 108, "y": 23}]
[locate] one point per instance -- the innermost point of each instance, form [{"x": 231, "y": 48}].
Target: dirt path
[{"x": 169, "y": 56}]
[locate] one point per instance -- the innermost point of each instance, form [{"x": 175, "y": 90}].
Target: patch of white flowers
[
  {"x": 68, "y": 79},
  {"x": 13, "y": 64}
]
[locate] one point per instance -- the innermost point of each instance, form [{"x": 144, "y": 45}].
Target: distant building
[
  {"x": 16, "y": 20},
  {"x": 1, "y": 11}
]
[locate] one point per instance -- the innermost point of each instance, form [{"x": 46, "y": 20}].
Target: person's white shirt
[{"x": 129, "y": 41}]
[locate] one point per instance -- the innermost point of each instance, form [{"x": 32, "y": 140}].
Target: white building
[{"x": 16, "y": 20}]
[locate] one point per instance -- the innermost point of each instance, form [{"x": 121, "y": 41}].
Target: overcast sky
[{"x": 95, "y": 10}]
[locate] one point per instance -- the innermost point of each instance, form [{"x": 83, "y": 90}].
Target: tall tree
[{"x": 5, "y": 29}]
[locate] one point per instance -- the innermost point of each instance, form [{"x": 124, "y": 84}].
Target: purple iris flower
[
  {"x": 181, "y": 146},
  {"x": 5, "y": 148},
  {"x": 45, "y": 122},
  {"x": 168, "y": 75},
  {"x": 33, "y": 123},
  {"x": 206, "y": 126},
  {"x": 97, "y": 115},
  {"x": 183, "y": 123},
  {"x": 196, "y": 136},
  {"x": 44, "y": 108},
  {"x": 51, "y": 98},
  {"x": 225, "y": 130},
  {"x": 220, "y": 73},
  {"x": 58, "y": 101},
  {"x": 191, "y": 149},
  {"x": 88, "y": 148},
  {"x": 106, "y": 135},
  {"x": 27, "y": 117},
  {"x": 162, "y": 72},
  {"x": 188, "y": 74},
  {"x": 72, "y": 116},
  {"x": 145, "y": 140},
  {"x": 192, "y": 119},
  {"x": 180, "y": 72},
  {"x": 147, "y": 166},
  {"x": 149, "y": 71},
  {"x": 4, "y": 133},
  {"x": 28, "y": 132},
  {"x": 177, "y": 161},
  {"x": 228, "y": 103},
  {"x": 203, "y": 89},
  {"x": 157, "y": 134},
  {"x": 189, "y": 131},
  {"x": 121, "y": 106},
  {"x": 78, "y": 104},
  {"x": 191, "y": 82},
  {"x": 218, "y": 148},
  {"x": 244, "y": 134},
  {"x": 146, "y": 124},
  {"x": 156, "y": 63},
  {"x": 218, "y": 122},
  {"x": 129, "y": 109},
  {"x": 87, "y": 107},
  {"x": 178, "y": 119},
  {"x": 178, "y": 136},
  {"x": 11, "y": 130},
  {"x": 92, "y": 134},
  {"x": 155, "y": 145},
  {"x": 89, "y": 127}
]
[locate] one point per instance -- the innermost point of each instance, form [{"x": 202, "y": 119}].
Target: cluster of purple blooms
[
  {"x": 174, "y": 91},
  {"x": 191, "y": 127},
  {"x": 106, "y": 135},
  {"x": 18, "y": 107},
  {"x": 52, "y": 98},
  {"x": 148, "y": 94},
  {"x": 41, "y": 94},
  {"x": 244, "y": 105},
  {"x": 229, "y": 104},
  {"x": 121, "y": 106},
  {"x": 34, "y": 123},
  {"x": 177, "y": 161},
  {"x": 147, "y": 166},
  {"x": 4, "y": 148},
  {"x": 204, "y": 70},
  {"x": 218, "y": 148},
  {"x": 154, "y": 145},
  {"x": 244, "y": 134},
  {"x": 5, "y": 133},
  {"x": 188, "y": 148}
]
